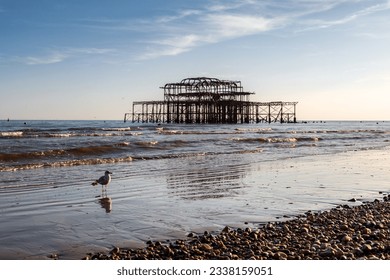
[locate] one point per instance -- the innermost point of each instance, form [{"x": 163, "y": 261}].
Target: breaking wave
[
  {"x": 69, "y": 143},
  {"x": 65, "y": 163},
  {"x": 277, "y": 140}
]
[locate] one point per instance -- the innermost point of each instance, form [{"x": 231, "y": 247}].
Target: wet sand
[{"x": 65, "y": 217}]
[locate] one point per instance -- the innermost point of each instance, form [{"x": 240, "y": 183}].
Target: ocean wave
[
  {"x": 55, "y": 153},
  {"x": 60, "y": 135},
  {"x": 111, "y": 160},
  {"x": 339, "y": 131},
  {"x": 110, "y": 150},
  {"x": 196, "y": 154},
  {"x": 166, "y": 131},
  {"x": 146, "y": 144},
  {"x": 117, "y": 129},
  {"x": 65, "y": 144},
  {"x": 259, "y": 130},
  {"x": 11, "y": 134},
  {"x": 276, "y": 139},
  {"x": 64, "y": 163},
  {"x": 5, "y": 157},
  {"x": 45, "y": 134}
]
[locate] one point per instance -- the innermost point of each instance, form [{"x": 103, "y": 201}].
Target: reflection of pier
[
  {"x": 197, "y": 180},
  {"x": 210, "y": 100}
]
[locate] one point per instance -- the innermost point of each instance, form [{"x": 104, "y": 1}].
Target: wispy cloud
[
  {"x": 225, "y": 20},
  {"x": 236, "y": 25},
  {"x": 57, "y": 56},
  {"x": 180, "y": 15},
  {"x": 194, "y": 28},
  {"x": 89, "y": 50},
  {"x": 217, "y": 28},
  {"x": 313, "y": 24},
  {"x": 46, "y": 59},
  {"x": 180, "y": 31}
]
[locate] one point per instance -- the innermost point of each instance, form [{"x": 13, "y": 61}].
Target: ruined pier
[{"x": 211, "y": 101}]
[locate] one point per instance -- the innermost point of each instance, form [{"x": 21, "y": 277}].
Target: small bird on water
[{"x": 104, "y": 180}]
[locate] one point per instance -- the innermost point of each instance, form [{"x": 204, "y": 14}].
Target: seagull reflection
[{"x": 106, "y": 203}]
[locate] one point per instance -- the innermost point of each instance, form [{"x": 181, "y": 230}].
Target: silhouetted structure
[{"x": 210, "y": 100}]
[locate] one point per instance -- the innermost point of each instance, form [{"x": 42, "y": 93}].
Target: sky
[{"x": 91, "y": 59}]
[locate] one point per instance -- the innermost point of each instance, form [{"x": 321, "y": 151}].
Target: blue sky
[{"x": 91, "y": 59}]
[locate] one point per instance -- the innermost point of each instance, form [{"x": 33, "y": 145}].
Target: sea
[{"x": 170, "y": 180}]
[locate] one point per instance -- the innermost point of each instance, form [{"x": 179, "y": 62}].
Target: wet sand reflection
[
  {"x": 105, "y": 201},
  {"x": 197, "y": 182}
]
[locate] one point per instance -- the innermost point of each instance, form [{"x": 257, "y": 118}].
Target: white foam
[{"x": 11, "y": 133}]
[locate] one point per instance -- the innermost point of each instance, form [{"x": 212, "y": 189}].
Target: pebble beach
[{"x": 342, "y": 233}]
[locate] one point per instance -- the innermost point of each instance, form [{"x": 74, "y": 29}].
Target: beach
[
  {"x": 342, "y": 233},
  {"x": 356, "y": 229},
  {"x": 170, "y": 182}
]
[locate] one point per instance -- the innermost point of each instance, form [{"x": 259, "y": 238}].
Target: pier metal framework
[{"x": 209, "y": 100}]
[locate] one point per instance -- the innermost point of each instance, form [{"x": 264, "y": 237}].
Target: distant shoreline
[{"x": 121, "y": 120}]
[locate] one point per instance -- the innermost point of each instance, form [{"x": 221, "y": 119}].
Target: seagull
[{"x": 104, "y": 180}]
